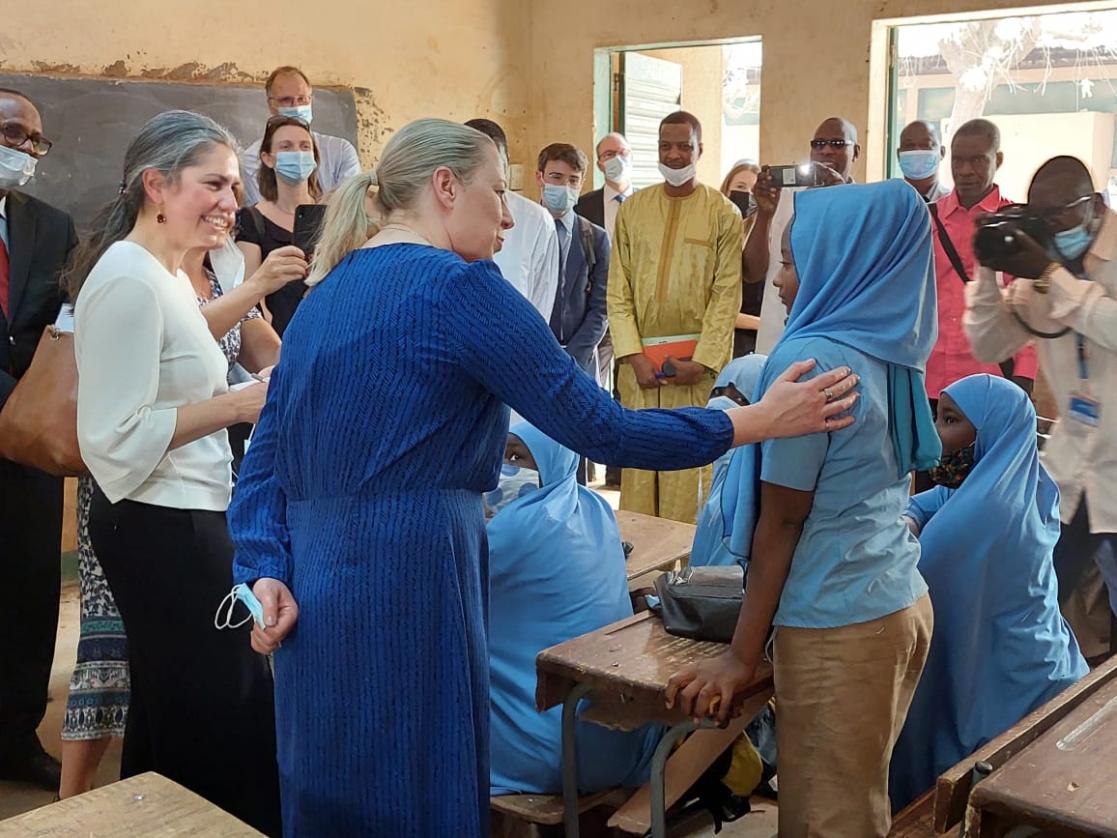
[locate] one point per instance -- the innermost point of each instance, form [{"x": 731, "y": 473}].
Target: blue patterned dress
[{"x": 362, "y": 490}]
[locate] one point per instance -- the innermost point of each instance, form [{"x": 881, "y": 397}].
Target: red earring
[{"x": 160, "y": 219}]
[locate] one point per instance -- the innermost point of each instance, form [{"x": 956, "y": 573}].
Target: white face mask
[
  {"x": 618, "y": 169},
  {"x": 677, "y": 177},
  {"x": 16, "y": 167}
]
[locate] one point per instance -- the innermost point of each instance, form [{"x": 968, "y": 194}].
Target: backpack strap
[{"x": 1008, "y": 368}]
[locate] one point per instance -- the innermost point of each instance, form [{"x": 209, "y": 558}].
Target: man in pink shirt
[{"x": 975, "y": 156}]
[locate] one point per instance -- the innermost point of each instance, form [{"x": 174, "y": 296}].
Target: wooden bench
[
  {"x": 514, "y": 811},
  {"x": 657, "y": 544},
  {"x": 624, "y": 668},
  {"x": 146, "y": 804}
]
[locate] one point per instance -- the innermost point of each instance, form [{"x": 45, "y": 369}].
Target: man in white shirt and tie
[
  {"x": 290, "y": 94},
  {"x": 529, "y": 258},
  {"x": 614, "y": 159}
]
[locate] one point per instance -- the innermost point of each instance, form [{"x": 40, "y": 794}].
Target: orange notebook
[{"x": 679, "y": 347}]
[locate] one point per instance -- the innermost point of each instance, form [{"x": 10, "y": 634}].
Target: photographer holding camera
[{"x": 1062, "y": 247}]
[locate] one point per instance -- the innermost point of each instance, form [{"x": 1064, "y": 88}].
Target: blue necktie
[
  {"x": 619, "y": 198},
  {"x": 564, "y": 244}
]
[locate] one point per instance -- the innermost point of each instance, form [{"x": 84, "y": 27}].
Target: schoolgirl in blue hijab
[
  {"x": 1001, "y": 648},
  {"x": 713, "y": 539},
  {"x": 832, "y": 565},
  {"x": 556, "y": 571}
]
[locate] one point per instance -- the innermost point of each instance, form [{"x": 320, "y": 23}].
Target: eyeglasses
[
  {"x": 16, "y": 135},
  {"x": 290, "y": 101},
  {"x": 1059, "y": 214},
  {"x": 280, "y": 119},
  {"x": 834, "y": 144}
]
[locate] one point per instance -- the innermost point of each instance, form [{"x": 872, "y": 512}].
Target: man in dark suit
[
  {"x": 35, "y": 240},
  {"x": 578, "y": 318},
  {"x": 614, "y": 160}
]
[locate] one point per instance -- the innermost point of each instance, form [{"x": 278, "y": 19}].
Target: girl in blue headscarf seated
[
  {"x": 713, "y": 540},
  {"x": 556, "y": 571},
  {"x": 1001, "y": 648},
  {"x": 832, "y": 564}
]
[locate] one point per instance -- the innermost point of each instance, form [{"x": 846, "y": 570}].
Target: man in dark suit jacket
[
  {"x": 614, "y": 160},
  {"x": 35, "y": 241},
  {"x": 579, "y": 316}
]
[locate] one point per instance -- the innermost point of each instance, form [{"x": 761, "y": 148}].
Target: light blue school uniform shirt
[{"x": 856, "y": 560}]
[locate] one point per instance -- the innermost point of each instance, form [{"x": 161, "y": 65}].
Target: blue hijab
[
  {"x": 866, "y": 279},
  {"x": 556, "y": 571},
  {"x": 1000, "y": 647},
  {"x": 713, "y": 539}
]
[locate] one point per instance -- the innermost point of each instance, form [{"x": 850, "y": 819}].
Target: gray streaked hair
[
  {"x": 409, "y": 160},
  {"x": 168, "y": 143}
]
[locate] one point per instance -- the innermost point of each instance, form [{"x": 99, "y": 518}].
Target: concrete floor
[{"x": 16, "y": 798}]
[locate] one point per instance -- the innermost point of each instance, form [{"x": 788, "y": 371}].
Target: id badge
[{"x": 1085, "y": 410}]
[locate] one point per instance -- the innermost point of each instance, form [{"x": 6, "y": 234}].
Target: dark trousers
[
  {"x": 30, "y": 576},
  {"x": 1075, "y": 555},
  {"x": 202, "y": 709}
]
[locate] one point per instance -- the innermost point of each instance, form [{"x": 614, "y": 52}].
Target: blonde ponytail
[
  {"x": 346, "y": 227},
  {"x": 409, "y": 160}
]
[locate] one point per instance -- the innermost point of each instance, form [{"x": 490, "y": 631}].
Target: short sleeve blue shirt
[{"x": 856, "y": 559}]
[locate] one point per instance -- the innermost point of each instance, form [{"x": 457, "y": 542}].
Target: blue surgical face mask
[
  {"x": 303, "y": 112},
  {"x": 919, "y": 164},
  {"x": 560, "y": 199},
  {"x": 295, "y": 166},
  {"x": 618, "y": 169},
  {"x": 224, "y": 617},
  {"x": 1071, "y": 244}
]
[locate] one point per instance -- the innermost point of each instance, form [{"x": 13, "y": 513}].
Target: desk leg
[
  {"x": 659, "y": 764},
  {"x": 570, "y": 759}
]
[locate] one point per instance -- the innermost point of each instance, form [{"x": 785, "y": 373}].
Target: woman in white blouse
[{"x": 153, "y": 406}]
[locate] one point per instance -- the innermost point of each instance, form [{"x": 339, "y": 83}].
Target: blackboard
[{"x": 91, "y": 122}]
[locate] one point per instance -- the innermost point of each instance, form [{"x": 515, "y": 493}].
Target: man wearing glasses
[
  {"x": 1065, "y": 298},
  {"x": 290, "y": 94},
  {"x": 834, "y": 150},
  {"x": 35, "y": 240}
]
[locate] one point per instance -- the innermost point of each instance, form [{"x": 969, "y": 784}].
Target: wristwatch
[{"x": 1042, "y": 282}]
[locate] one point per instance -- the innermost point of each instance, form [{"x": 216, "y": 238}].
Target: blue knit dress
[{"x": 361, "y": 490}]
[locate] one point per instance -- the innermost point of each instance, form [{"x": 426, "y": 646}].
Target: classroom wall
[
  {"x": 703, "y": 69},
  {"x": 421, "y": 58},
  {"x": 816, "y": 57}
]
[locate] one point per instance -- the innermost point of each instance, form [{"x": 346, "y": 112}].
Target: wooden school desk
[
  {"x": 141, "y": 806},
  {"x": 657, "y": 543},
  {"x": 1064, "y": 783},
  {"x": 624, "y": 668}
]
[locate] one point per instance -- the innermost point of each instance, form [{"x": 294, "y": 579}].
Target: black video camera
[{"x": 995, "y": 239}]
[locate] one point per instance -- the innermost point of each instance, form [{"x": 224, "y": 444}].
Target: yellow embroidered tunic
[{"x": 675, "y": 270}]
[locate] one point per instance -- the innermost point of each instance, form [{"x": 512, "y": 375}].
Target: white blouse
[{"x": 143, "y": 350}]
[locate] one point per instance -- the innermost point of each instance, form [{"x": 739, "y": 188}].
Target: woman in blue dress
[
  {"x": 1001, "y": 648},
  {"x": 358, "y": 515}
]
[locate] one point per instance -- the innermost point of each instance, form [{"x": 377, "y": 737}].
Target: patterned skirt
[{"x": 99, "y": 688}]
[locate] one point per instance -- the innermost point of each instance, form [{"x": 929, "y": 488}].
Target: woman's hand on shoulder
[{"x": 794, "y": 408}]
